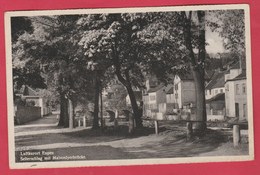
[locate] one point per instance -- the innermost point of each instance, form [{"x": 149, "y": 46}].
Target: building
[
  {"x": 236, "y": 95},
  {"x": 167, "y": 105},
  {"x": 32, "y": 98},
  {"x": 170, "y": 95},
  {"x": 215, "y": 96},
  {"x": 184, "y": 94},
  {"x": 216, "y": 85},
  {"x": 156, "y": 95},
  {"x": 153, "y": 97},
  {"x": 160, "y": 100},
  {"x": 215, "y": 107}
]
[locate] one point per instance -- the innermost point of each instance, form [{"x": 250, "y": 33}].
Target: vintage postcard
[{"x": 129, "y": 86}]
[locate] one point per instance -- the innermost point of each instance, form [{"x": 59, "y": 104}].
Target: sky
[{"x": 215, "y": 42}]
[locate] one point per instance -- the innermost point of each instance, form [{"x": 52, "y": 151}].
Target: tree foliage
[
  {"x": 52, "y": 49},
  {"x": 122, "y": 43},
  {"x": 19, "y": 26},
  {"x": 80, "y": 54}
]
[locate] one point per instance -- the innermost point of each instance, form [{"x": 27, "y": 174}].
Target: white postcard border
[{"x": 120, "y": 162}]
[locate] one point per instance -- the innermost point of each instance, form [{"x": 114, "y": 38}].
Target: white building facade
[{"x": 236, "y": 93}]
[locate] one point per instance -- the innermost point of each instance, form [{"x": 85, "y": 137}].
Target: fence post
[
  {"x": 236, "y": 135},
  {"x": 189, "y": 130},
  {"x": 131, "y": 123},
  {"x": 156, "y": 126},
  {"x": 71, "y": 118},
  {"x": 115, "y": 121},
  {"x": 84, "y": 121}
]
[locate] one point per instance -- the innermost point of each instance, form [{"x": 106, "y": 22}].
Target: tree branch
[
  {"x": 202, "y": 51},
  {"x": 116, "y": 62}
]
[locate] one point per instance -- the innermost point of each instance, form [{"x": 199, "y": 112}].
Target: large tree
[
  {"x": 187, "y": 33},
  {"x": 197, "y": 63},
  {"x": 52, "y": 47},
  {"x": 117, "y": 41}
]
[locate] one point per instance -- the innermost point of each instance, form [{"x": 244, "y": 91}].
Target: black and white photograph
[{"x": 129, "y": 86}]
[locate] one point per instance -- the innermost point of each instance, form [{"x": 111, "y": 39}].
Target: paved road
[
  {"x": 42, "y": 124},
  {"x": 50, "y": 119},
  {"x": 44, "y": 134}
]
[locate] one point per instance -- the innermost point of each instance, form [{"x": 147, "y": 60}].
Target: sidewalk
[
  {"x": 49, "y": 119},
  {"x": 44, "y": 123}
]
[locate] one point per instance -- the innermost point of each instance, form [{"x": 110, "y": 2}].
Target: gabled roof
[
  {"x": 169, "y": 91},
  {"x": 154, "y": 89},
  {"x": 209, "y": 74},
  {"x": 240, "y": 76},
  {"x": 218, "y": 97},
  {"x": 217, "y": 81}
]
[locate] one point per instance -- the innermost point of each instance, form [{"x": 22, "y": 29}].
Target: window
[
  {"x": 210, "y": 92},
  {"x": 237, "y": 88},
  {"x": 216, "y": 91},
  {"x": 176, "y": 96},
  {"x": 176, "y": 87},
  {"x": 244, "y": 110},
  {"x": 221, "y": 90},
  {"x": 244, "y": 88}
]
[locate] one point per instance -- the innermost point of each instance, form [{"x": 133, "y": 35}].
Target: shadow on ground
[
  {"x": 83, "y": 136},
  {"x": 176, "y": 145},
  {"x": 168, "y": 144}
]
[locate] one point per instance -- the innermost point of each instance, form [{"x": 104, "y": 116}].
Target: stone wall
[{"x": 26, "y": 114}]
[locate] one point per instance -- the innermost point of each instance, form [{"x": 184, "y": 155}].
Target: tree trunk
[
  {"x": 101, "y": 111},
  {"x": 200, "y": 127},
  {"x": 199, "y": 77},
  {"x": 71, "y": 114},
  {"x": 136, "y": 111},
  {"x": 127, "y": 83},
  {"x": 197, "y": 66},
  {"x": 63, "y": 121},
  {"x": 96, "y": 105}
]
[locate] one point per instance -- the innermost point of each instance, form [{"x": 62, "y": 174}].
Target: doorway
[{"x": 237, "y": 109}]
